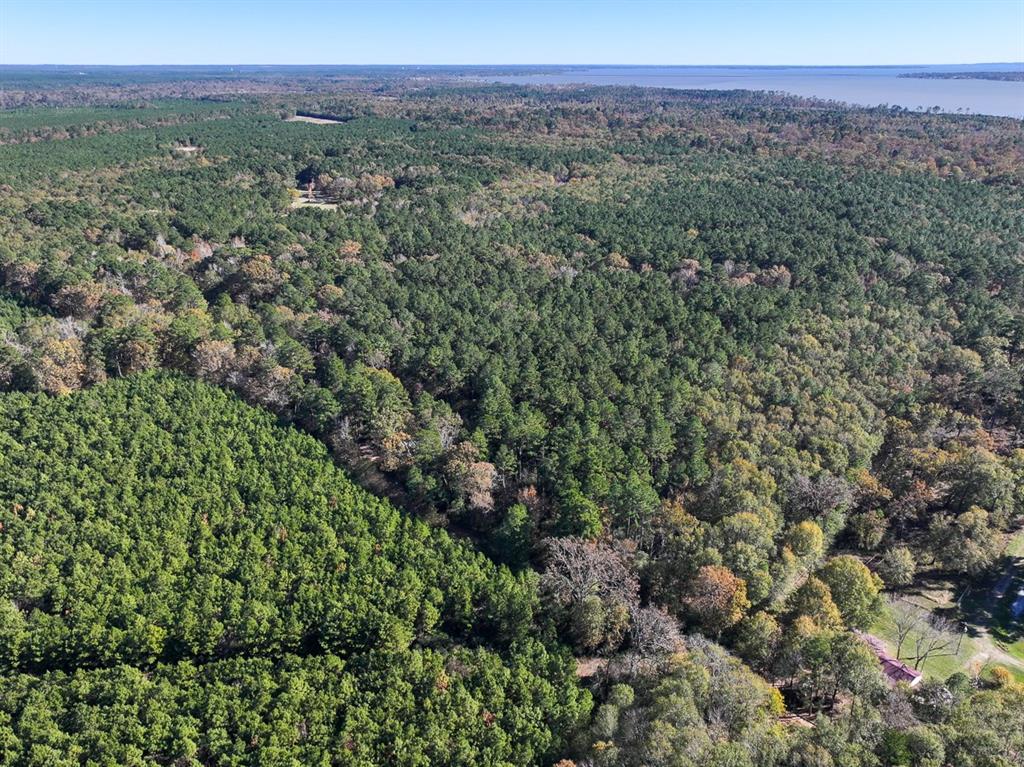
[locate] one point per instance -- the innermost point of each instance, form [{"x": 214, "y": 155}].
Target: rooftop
[{"x": 894, "y": 670}]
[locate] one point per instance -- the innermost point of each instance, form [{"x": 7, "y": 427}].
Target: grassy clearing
[
  {"x": 1015, "y": 548},
  {"x": 313, "y": 120},
  {"x": 992, "y": 636},
  {"x": 300, "y": 199},
  {"x": 938, "y": 666}
]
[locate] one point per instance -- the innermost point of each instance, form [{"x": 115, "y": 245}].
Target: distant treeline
[{"x": 1014, "y": 76}]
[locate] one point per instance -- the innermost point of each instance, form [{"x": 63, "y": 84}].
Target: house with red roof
[{"x": 894, "y": 670}]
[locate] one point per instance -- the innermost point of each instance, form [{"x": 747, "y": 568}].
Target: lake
[{"x": 865, "y": 86}]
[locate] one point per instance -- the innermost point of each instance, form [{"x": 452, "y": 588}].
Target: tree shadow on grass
[{"x": 982, "y": 606}]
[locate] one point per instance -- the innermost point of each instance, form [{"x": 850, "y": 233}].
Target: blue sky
[{"x": 499, "y": 32}]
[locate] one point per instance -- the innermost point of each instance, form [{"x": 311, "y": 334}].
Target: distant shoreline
[
  {"x": 957, "y": 90},
  {"x": 1012, "y": 77}
]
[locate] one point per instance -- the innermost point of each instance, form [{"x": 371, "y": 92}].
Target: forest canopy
[
  {"x": 160, "y": 521},
  {"x": 684, "y": 393}
]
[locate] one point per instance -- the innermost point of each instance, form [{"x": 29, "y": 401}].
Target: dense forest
[
  {"x": 183, "y": 578},
  {"x": 586, "y": 426}
]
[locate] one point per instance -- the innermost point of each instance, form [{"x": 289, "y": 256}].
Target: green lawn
[
  {"x": 937, "y": 666},
  {"x": 1006, "y": 630},
  {"x": 1016, "y": 649},
  {"x": 977, "y": 610},
  {"x": 1015, "y": 548}
]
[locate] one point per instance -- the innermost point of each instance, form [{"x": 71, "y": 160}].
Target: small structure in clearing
[
  {"x": 311, "y": 199},
  {"x": 894, "y": 670},
  {"x": 188, "y": 149}
]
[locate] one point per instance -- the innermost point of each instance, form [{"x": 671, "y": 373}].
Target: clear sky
[{"x": 501, "y": 32}]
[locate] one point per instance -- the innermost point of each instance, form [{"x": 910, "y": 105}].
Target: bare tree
[
  {"x": 577, "y": 568},
  {"x": 816, "y": 497},
  {"x": 937, "y": 634},
  {"x": 906, "y": 617},
  {"x": 653, "y": 632},
  {"x": 653, "y": 636}
]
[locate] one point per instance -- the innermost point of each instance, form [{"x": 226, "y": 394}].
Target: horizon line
[{"x": 513, "y": 64}]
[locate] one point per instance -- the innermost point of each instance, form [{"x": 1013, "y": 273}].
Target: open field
[
  {"x": 313, "y": 120},
  {"x": 939, "y": 666},
  {"x": 992, "y": 635},
  {"x": 302, "y": 199}
]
